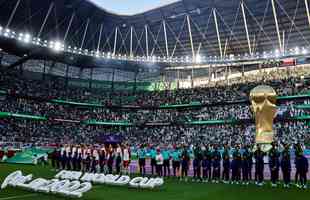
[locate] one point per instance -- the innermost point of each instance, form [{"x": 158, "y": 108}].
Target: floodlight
[
  {"x": 57, "y": 46},
  {"x": 297, "y": 50},
  {"x": 277, "y": 53},
  {"x": 198, "y": 59},
  {"x": 27, "y": 38}
]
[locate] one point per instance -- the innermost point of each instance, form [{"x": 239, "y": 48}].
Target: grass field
[{"x": 172, "y": 190}]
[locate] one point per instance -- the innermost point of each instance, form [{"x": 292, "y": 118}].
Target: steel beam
[
  {"x": 277, "y": 25},
  {"x": 217, "y": 32},
  {"x": 45, "y": 19},
  {"x": 12, "y": 14},
  {"x": 190, "y": 37},
  {"x": 84, "y": 35},
  {"x": 131, "y": 37},
  {"x": 99, "y": 39},
  {"x": 68, "y": 29},
  {"x": 146, "y": 41},
  {"x": 166, "y": 39},
  {"x": 246, "y": 27},
  {"x": 307, "y": 10},
  {"x": 115, "y": 41}
]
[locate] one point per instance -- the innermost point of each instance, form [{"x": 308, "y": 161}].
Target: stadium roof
[{"x": 184, "y": 28}]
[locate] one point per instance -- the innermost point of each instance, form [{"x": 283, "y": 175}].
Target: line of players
[
  {"x": 208, "y": 163},
  {"x": 92, "y": 158}
]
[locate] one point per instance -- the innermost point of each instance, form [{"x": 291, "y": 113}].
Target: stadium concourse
[{"x": 163, "y": 95}]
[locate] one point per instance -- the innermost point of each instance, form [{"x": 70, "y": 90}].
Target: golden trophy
[{"x": 263, "y": 100}]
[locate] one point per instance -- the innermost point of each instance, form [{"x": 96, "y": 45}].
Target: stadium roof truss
[{"x": 181, "y": 33}]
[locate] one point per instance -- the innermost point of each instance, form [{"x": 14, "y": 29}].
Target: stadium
[{"x": 175, "y": 99}]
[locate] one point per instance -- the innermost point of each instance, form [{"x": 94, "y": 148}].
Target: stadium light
[
  {"x": 20, "y": 36},
  {"x": 7, "y": 32},
  {"x": 59, "y": 46},
  {"x": 265, "y": 55},
  {"x": 27, "y": 38},
  {"x": 56, "y": 45},
  {"x": 187, "y": 59},
  {"x": 198, "y": 59},
  {"x": 277, "y": 53},
  {"x": 97, "y": 54},
  {"x": 297, "y": 51},
  {"x": 231, "y": 57}
]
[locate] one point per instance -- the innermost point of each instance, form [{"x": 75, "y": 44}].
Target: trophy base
[
  {"x": 264, "y": 139},
  {"x": 265, "y": 147}
]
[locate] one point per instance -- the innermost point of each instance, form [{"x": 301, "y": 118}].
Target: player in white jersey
[
  {"x": 84, "y": 156},
  {"x": 63, "y": 157},
  {"x": 159, "y": 163},
  {"x": 126, "y": 159},
  {"x": 118, "y": 160},
  {"x": 79, "y": 158},
  {"x": 68, "y": 150},
  {"x": 74, "y": 149},
  {"x": 69, "y": 157}
]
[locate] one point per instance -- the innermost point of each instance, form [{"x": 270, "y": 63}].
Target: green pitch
[{"x": 172, "y": 190}]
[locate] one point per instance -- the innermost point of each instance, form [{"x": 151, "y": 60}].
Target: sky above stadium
[{"x": 131, "y": 7}]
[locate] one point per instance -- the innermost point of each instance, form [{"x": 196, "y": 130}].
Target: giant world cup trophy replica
[{"x": 263, "y": 99}]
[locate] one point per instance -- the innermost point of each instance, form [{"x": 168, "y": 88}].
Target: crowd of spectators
[
  {"x": 58, "y": 129},
  {"x": 285, "y": 82}
]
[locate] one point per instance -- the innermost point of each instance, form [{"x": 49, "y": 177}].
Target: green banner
[
  {"x": 3, "y": 92},
  {"x": 21, "y": 116},
  {"x": 192, "y": 104},
  {"x": 4, "y": 114},
  {"x": 293, "y": 97},
  {"x": 304, "y": 117},
  {"x": 117, "y": 85},
  {"x": 59, "y": 101},
  {"x": 29, "y": 156},
  {"x": 303, "y": 106},
  {"x": 210, "y": 122},
  {"x": 108, "y": 123}
]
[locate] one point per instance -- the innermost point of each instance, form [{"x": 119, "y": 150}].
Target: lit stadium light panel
[
  {"x": 7, "y": 32},
  {"x": 198, "y": 59},
  {"x": 277, "y": 53},
  {"x": 59, "y": 46},
  {"x": 231, "y": 57},
  {"x": 56, "y": 46},
  {"x": 304, "y": 51},
  {"x": 187, "y": 59},
  {"x": 20, "y": 36},
  {"x": 97, "y": 54},
  {"x": 297, "y": 51},
  {"x": 265, "y": 55},
  {"x": 26, "y": 38}
]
